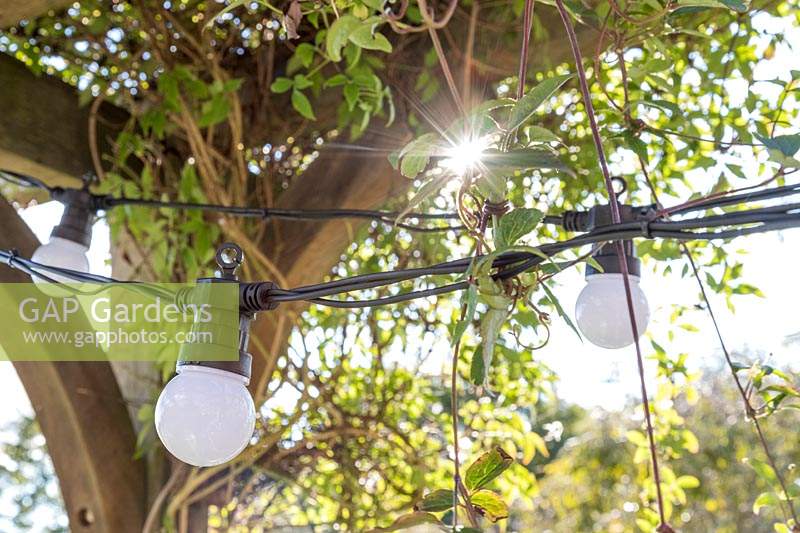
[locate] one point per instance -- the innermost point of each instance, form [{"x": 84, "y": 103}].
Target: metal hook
[{"x": 229, "y": 257}]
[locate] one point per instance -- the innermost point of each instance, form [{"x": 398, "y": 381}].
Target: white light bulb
[
  {"x": 601, "y": 310},
  {"x": 205, "y": 416},
  {"x": 62, "y": 253}
]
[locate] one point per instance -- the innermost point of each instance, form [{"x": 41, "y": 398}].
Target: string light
[
  {"x": 69, "y": 240},
  {"x": 205, "y": 416},
  {"x": 602, "y": 302}
]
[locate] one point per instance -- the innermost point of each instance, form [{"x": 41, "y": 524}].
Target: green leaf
[
  {"x": 338, "y": 35},
  {"x": 336, "y": 80},
  {"x": 765, "y": 499},
  {"x": 366, "y": 37},
  {"x": 305, "y": 53},
  {"x": 416, "y": 155},
  {"x": 477, "y": 368},
  {"x": 232, "y": 85},
  {"x": 487, "y": 467},
  {"x": 540, "y": 134},
  {"x": 516, "y": 224},
  {"x": 687, "y": 482},
  {"x": 491, "y": 324},
  {"x": 735, "y": 5},
  {"x": 533, "y": 99},
  {"x": 350, "y": 92},
  {"x": 409, "y": 520},
  {"x": 522, "y": 159},
  {"x": 490, "y": 505},
  {"x": 168, "y": 87},
  {"x": 764, "y": 471},
  {"x": 787, "y": 145},
  {"x": 302, "y": 105},
  {"x": 663, "y": 105},
  {"x": 638, "y": 146},
  {"x": 214, "y": 111},
  {"x": 301, "y": 82},
  {"x": 281, "y": 85},
  {"x": 436, "y": 501}
]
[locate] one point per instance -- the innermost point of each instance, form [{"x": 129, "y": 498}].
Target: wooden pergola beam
[
  {"x": 80, "y": 410},
  {"x": 44, "y": 132},
  {"x": 12, "y": 11}
]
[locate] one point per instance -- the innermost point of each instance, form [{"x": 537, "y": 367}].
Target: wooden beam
[
  {"x": 85, "y": 422},
  {"x": 304, "y": 252},
  {"x": 43, "y": 130},
  {"x": 12, "y": 11}
]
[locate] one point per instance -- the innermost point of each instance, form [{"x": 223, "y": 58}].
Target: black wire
[
  {"x": 507, "y": 265},
  {"x": 387, "y": 217},
  {"x": 517, "y": 262},
  {"x": 745, "y": 197},
  {"x": 23, "y": 180}
]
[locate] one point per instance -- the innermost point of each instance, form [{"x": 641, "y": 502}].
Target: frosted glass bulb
[
  {"x": 601, "y": 310},
  {"x": 205, "y": 416},
  {"x": 63, "y": 253}
]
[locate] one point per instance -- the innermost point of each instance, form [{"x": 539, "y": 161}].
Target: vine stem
[
  {"x": 527, "y": 23},
  {"x": 615, "y": 216},
  {"x": 749, "y": 410},
  {"x": 454, "y": 409},
  {"x": 458, "y": 486}
]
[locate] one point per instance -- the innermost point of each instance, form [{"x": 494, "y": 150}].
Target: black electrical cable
[
  {"x": 23, "y": 180},
  {"x": 518, "y": 262},
  {"x": 507, "y": 265},
  {"x": 104, "y": 202},
  {"x": 733, "y": 199},
  {"x": 387, "y": 217}
]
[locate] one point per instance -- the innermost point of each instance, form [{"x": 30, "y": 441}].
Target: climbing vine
[{"x": 233, "y": 102}]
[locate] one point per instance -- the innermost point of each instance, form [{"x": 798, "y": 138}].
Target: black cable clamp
[{"x": 646, "y": 232}]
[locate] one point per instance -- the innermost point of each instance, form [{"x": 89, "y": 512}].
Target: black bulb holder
[
  {"x": 80, "y": 208},
  {"x": 608, "y": 260},
  {"x": 599, "y": 216},
  {"x": 229, "y": 257}
]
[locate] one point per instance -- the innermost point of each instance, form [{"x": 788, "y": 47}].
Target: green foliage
[
  {"x": 517, "y": 224},
  {"x": 485, "y": 468},
  {"x": 523, "y": 110},
  {"x": 28, "y": 488},
  {"x": 356, "y": 418}
]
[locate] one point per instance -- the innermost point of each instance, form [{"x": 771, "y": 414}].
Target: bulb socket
[
  {"x": 228, "y": 319},
  {"x": 600, "y": 216},
  {"x": 79, "y": 212},
  {"x": 607, "y": 258}
]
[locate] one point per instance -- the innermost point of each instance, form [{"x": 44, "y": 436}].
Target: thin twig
[
  {"x": 94, "y": 149},
  {"x": 448, "y": 74},
  {"x": 527, "y": 23},
  {"x": 745, "y": 399},
  {"x": 466, "y": 76}
]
